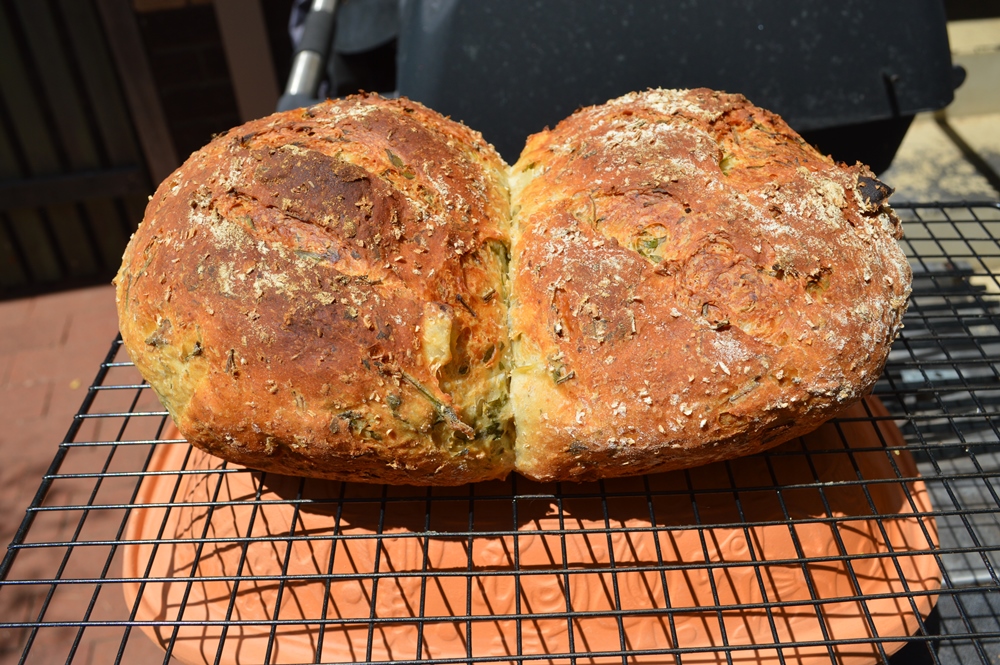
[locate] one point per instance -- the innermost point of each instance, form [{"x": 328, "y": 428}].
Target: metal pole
[{"x": 311, "y": 56}]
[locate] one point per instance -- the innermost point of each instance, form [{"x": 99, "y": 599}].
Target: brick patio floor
[{"x": 51, "y": 348}]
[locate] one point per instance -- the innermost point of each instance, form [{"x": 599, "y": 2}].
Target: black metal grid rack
[{"x": 61, "y": 583}]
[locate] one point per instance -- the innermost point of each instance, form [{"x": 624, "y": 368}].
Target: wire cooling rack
[{"x": 545, "y": 573}]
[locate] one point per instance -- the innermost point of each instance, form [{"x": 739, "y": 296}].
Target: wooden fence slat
[
  {"x": 74, "y": 243},
  {"x": 23, "y": 107},
  {"x": 144, "y": 103},
  {"x": 248, "y": 55},
  {"x": 11, "y": 272},
  {"x": 102, "y": 89},
  {"x": 63, "y": 96},
  {"x": 109, "y": 236},
  {"x": 75, "y": 240},
  {"x": 39, "y": 251},
  {"x": 135, "y": 208},
  {"x": 28, "y": 228},
  {"x": 12, "y": 267}
]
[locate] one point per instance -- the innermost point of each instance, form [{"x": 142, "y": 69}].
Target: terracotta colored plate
[{"x": 470, "y": 561}]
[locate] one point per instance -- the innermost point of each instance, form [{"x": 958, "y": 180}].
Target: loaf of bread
[
  {"x": 323, "y": 293},
  {"x": 691, "y": 281},
  {"x": 353, "y": 291}
]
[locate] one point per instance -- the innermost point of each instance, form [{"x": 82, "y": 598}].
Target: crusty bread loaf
[
  {"x": 325, "y": 292},
  {"x": 691, "y": 281},
  {"x": 322, "y": 293}
]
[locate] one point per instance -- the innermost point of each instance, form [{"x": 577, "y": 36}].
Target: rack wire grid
[{"x": 64, "y": 596}]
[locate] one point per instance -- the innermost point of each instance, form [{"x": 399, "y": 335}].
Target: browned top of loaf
[
  {"x": 275, "y": 291},
  {"x": 699, "y": 282}
]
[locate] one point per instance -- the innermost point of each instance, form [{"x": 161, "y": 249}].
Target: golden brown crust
[
  {"x": 288, "y": 285},
  {"x": 690, "y": 282}
]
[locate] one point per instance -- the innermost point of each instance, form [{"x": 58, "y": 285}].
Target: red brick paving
[
  {"x": 51, "y": 348},
  {"x": 44, "y": 374}
]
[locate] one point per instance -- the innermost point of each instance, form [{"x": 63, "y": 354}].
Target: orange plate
[{"x": 471, "y": 590}]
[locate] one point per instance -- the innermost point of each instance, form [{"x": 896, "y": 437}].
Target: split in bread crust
[{"x": 325, "y": 292}]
